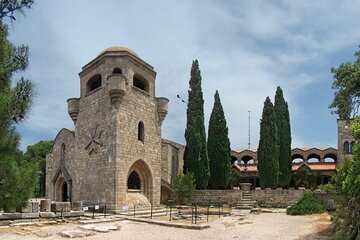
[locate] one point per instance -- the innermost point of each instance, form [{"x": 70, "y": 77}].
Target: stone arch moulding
[
  {"x": 145, "y": 175},
  {"x": 62, "y": 182}
]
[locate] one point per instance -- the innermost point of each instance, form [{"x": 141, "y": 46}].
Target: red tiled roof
[{"x": 295, "y": 167}]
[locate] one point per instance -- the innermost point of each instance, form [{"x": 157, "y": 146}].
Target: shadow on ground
[{"x": 324, "y": 234}]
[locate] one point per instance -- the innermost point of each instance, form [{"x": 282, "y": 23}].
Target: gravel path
[{"x": 261, "y": 226}]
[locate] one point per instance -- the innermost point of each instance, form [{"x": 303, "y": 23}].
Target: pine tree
[
  {"x": 18, "y": 178},
  {"x": 268, "y": 153},
  {"x": 218, "y": 147},
  {"x": 196, "y": 157},
  {"x": 284, "y": 137}
]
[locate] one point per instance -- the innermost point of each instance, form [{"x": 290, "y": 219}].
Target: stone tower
[
  {"x": 346, "y": 141},
  {"x": 114, "y": 154}
]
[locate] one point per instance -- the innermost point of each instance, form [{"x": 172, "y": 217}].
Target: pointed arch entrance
[
  {"x": 140, "y": 180},
  {"x": 62, "y": 183}
]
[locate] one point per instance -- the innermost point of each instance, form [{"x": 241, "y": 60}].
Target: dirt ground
[{"x": 251, "y": 226}]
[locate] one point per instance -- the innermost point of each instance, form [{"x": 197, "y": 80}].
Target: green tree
[
  {"x": 9, "y": 7},
  {"x": 346, "y": 101},
  {"x": 37, "y": 153},
  {"x": 218, "y": 147},
  {"x": 18, "y": 178},
  {"x": 268, "y": 150},
  {"x": 184, "y": 186},
  {"x": 284, "y": 138},
  {"x": 196, "y": 156}
]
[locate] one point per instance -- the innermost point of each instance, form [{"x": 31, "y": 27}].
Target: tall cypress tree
[
  {"x": 218, "y": 147},
  {"x": 196, "y": 156},
  {"x": 268, "y": 150},
  {"x": 284, "y": 137}
]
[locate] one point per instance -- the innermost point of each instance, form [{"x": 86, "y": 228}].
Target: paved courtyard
[{"x": 253, "y": 226}]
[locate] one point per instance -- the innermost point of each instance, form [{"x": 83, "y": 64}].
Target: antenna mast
[{"x": 249, "y": 132}]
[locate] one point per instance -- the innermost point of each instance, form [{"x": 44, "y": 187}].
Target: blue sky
[{"x": 245, "y": 50}]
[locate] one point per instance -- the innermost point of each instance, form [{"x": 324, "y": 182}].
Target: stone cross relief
[{"x": 94, "y": 143}]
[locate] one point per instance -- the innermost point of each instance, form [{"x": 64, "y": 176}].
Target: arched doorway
[
  {"x": 134, "y": 181},
  {"x": 64, "y": 192},
  {"x": 140, "y": 181}
]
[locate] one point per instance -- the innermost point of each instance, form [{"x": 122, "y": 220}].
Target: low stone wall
[
  {"x": 31, "y": 211},
  {"x": 216, "y": 196},
  {"x": 331, "y": 199},
  {"x": 278, "y": 198}
]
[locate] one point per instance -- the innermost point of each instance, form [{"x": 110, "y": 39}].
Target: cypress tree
[
  {"x": 284, "y": 137},
  {"x": 196, "y": 156},
  {"x": 218, "y": 147},
  {"x": 268, "y": 153}
]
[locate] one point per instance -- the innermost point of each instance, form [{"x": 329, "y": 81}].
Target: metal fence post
[
  {"x": 219, "y": 210},
  {"x": 151, "y": 209},
  {"x": 170, "y": 213},
  {"x": 207, "y": 214},
  {"x": 94, "y": 211}
]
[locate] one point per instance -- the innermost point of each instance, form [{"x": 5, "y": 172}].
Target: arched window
[
  {"x": 62, "y": 153},
  {"x": 140, "y": 82},
  {"x": 352, "y": 146},
  {"x": 248, "y": 159},
  {"x": 134, "y": 181},
  {"x": 313, "y": 158},
  {"x": 117, "y": 70},
  {"x": 93, "y": 83},
  {"x": 346, "y": 147},
  {"x": 297, "y": 158},
  {"x": 141, "y": 132}
]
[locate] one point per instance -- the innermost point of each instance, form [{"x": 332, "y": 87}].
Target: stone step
[
  {"x": 244, "y": 207},
  {"x": 160, "y": 211}
]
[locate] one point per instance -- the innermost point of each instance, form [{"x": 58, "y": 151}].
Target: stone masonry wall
[
  {"x": 279, "y": 198},
  {"x": 216, "y": 196}
]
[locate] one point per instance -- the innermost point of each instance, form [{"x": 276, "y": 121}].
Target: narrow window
[
  {"x": 134, "y": 181},
  {"x": 141, "y": 132},
  {"x": 93, "y": 83},
  {"x": 62, "y": 153},
  {"x": 352, "y": 147},
  {"x": 346, "y": 147},
  {"x": 140, "y": 82},
  {"x": 117, "y": 70}
]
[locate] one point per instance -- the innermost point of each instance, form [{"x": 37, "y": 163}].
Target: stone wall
[
  {"x": 332, "y": 199},
  {"x": 216, "y": 196},
  {"x": 278, "y": 198}
]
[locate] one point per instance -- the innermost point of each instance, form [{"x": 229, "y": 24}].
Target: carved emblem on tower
[{"x": 94, "y": 143}]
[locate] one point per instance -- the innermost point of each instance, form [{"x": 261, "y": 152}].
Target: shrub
[
  {"x": 308, "y": 204},
  {"x": 328, "y": 188},
  {"x": 184, "y": 186}
]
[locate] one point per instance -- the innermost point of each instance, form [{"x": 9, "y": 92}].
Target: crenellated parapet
[
  {"x": 116, "y": 88},
  {"x": 162, "y": 108},
  {"x": 73, "y": 108}
]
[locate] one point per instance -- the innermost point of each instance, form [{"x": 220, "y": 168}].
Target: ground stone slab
[
  {"x": 75, "y": 233},
  {"x": 106, "y": 228}
]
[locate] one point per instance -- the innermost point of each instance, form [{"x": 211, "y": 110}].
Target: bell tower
[
  {"x": 116, "y": 157},
  {"x": 346, "y": 141}
]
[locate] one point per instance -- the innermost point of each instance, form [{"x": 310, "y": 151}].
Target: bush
[
  {"x": 308, "y": 204},
  {"x": 184, "y": 186},
  {"x": 328, "y": 188}
]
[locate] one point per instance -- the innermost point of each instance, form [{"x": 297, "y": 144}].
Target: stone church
[{"x": 115, "y": 154}]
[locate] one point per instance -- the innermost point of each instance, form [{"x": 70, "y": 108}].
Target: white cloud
[{"x": 245, "y": 50}]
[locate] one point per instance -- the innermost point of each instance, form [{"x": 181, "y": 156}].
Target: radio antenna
[{"x": 249, "y": 144}]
